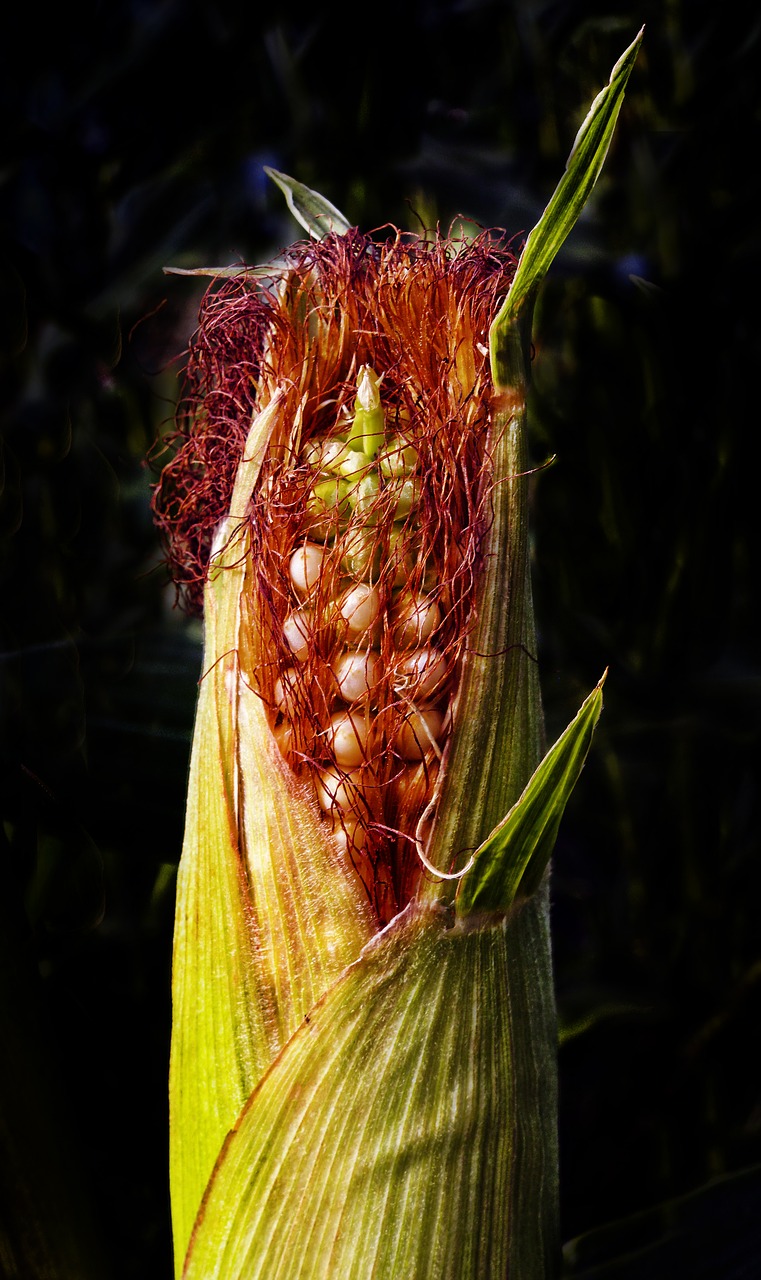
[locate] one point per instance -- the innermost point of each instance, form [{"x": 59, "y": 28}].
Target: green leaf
[
  {"x": 314, "y": 213},
  {"x": 398, "y": 1133},
  {"x": 498, "y": 720},
  {"x": 267, "y": 913},
  {"x": 513, "y": 859},
  {"x": 582, "y": 171},
  {"x": 497, "y": 736}
]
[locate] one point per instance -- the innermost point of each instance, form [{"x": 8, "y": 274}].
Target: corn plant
[{"x": 363, "y": 1077}]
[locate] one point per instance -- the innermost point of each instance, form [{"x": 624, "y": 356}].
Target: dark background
[{"x": 134, "y": 136}]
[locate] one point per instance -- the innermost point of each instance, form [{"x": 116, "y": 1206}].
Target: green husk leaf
[
  {"x": 513, "y": 323},
  {"x": 512, "y": 861},
  {"x": 311, "y": 210},
  {"x": 498, "y": 735},
  {"x": 397, "y": 1133},
  {"x": 498, "y": 714},
  {"x": 267, "y": 914},
  {"x": 497, "y": 739}
]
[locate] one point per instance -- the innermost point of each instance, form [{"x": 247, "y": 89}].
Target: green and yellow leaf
[
  {"x": 267, "y": 914},
  {"x": 396, "y": 1134}
]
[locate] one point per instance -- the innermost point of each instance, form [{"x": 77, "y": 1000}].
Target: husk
[
  {"x": 403, "y": 1130},
  {"x": 267, "y": 915}
]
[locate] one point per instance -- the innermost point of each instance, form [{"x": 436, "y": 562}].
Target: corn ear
[{"x": 363, "y": 1105}]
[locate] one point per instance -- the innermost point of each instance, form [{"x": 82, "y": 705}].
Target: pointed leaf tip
[
  {"x": 311, "y": 210},
  {"x": 582, "y": 170},
  {"x": 512, "y": 861}
]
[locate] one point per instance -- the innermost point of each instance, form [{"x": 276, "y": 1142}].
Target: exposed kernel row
[{"x": 389, "y": 682}]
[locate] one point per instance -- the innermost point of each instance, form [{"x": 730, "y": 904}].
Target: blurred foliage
[{"x": 135, "y": 136}]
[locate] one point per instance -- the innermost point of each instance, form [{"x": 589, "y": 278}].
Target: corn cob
[{"x": 368, "y": 520}]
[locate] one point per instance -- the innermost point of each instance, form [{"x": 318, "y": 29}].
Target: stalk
[{"x": 363, "y": 1075}]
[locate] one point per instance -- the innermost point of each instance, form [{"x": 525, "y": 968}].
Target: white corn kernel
[
  {"x": 284, "y": 690},
  {"x": 360, "y": 608},
  {"x": 350, "y": 835},
  {"x": 406, "y": 494},
  {"x": 422, "y": 672},
  {"x": 363, "y": 497},
  {"x": 334, "y": 454},
  {"x": 325, "y": 455},
  {"x": 305, "y": 567},
  {"x": 353, "y": 464},
  {"x": 356, "y": 674},
  {"x": 403, "y": 551},
  {"x": 361, "y": 553},
  {"x": 326, "y": 507},
  {"x": 347, "y": 737},
  {"x": 285, "y": 737},
  {"x": 398, "y": 459},
  {"x": 297, "y": 632},
  {"x": 415, "y": 618},
  {"x": 417, "y": 736},
  {"x": 336, "y": 790}
]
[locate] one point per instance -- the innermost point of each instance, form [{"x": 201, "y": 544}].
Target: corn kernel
[
  {"x": 423, "y": 673},
  {"x": 284, "y": 689},
  {"x": 417, "y": 735},
  {"x": 360, "y": 608},
  {"x": 407, "y": 494},
  {"x": 305, "y": 567},
  {"x": 353, "y": 464},
  {"x": 356, "y": 674},
  {"x": 361, "y": 552},
  {"x": 351, "y": 836},
  {"x": 415, "y": 618},
  {"x": 348, "y": 739},
  {"x": 363, "y": 497},
  {"x": 327, "y": 506},
  {"x": 297, "y": 631},
  {"x": 398, "y": 459},
  {"x": 325, "y": 455},
  {"x": 336, "y": 790}
]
